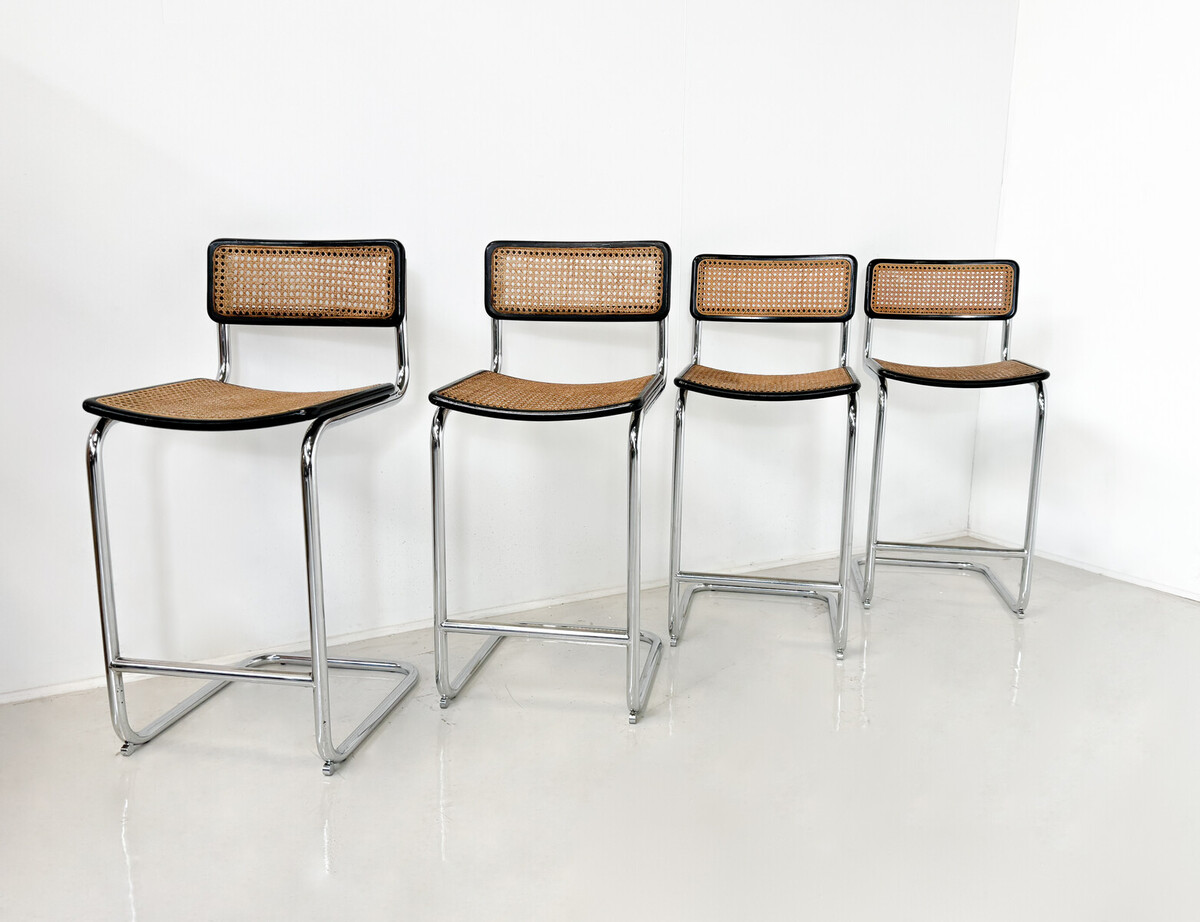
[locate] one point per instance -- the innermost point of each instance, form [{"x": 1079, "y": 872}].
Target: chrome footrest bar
[
  {"x": 964, "y": 565},
  {"x": 578, "y": 633},
  {"x": 756, "y": 583},
  {"x": 242, "y": 672},
  {"x": 829, "y": 593},
  {"x": 567, "y": 633},
  {"x": 950, "y": 548}
]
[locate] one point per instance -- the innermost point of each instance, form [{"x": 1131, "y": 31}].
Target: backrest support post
[
  {"x": 402, "y": 356},
  {"x": 497, "y": 345},
  {"x": 223, "y": 356}
]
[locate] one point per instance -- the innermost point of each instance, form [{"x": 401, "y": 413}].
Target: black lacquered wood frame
[
  {"x": 399, "y": 284},
  {"x": 574, "y": 316},
  {"x": 772, "y": 318},
  {"x": 871, "y": 312}
]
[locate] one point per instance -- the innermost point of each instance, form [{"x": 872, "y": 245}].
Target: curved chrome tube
[
  {"x": 868, "y": 587},
  {"x": 638, "y": 681},
  {"x": 1031, "y": 508},
  {"x": 1016, "y": 603},
  {"x": 674, "y": 619},
  {"x": 318, "y": 661}
]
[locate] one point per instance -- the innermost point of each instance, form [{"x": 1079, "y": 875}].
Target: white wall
[
  {"x": 1099, "y": 204},
  {"x": 137, "y": 132},
  {"x": 875, "y": 129}
]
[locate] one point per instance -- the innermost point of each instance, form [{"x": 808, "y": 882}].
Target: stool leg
[
  {"x": 326, "y": 747},
  {"x": 637, "y": 682},
  {"x": 868, "y": 587},
  {"x": 447, "y": 687},
  {"x": 633, "y": 577},
  {"x": 104, "y": 587},
  {"x": 441, "y": 657},
  {"x": 130, "y": 738},
  {"x": 845, "y": 559},
  {"x": 318, "y": 660},
  {"x": 1031, "y": 509},
  {"x": 675, "y": 617}
]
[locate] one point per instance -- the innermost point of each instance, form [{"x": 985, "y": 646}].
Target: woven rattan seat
[
  {"x": 746, "y": 386},
  {"x": 488, "y": 393},
  {"x": 990, "y": 374},
  {"x": 202, "y": 403}
]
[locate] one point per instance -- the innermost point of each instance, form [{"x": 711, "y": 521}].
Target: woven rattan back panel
[
  {"x": 942, "y": 289},
  {"x": 578, "y": 281},
  {"x": 337, "y": 282},
  {"x": 776, "y": 288}
]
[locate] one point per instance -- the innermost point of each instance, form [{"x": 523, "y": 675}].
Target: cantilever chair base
[
  {"x": 689, "y": 583},
  {"x": 948, "y": 290},
  {"x": 638, "y": 680},
  {"x": 829, "y": 593},
  {"x": 778, "y": 288},
  {"x": 571, "y": 633},
  {"x": 250, "y": 670},
  {"x": 317, "y": 678},
  {"x": 904, "y": 554},
  {"x": 968, "y": 566}
]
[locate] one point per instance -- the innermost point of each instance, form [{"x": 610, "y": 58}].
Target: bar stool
[
  {"x": 948, "y": 290},
  {"x": 329, "y": 283},
  {"x": 530, "y": 281},
  {"x": 778, "y": 289}
]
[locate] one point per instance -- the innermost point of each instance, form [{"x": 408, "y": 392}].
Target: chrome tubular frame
[
  {"x": 497, "y": 345},
  {"x": 223, "y": 354},
  {"x": 639, "y": 673},
  {"x": 684, "y": 584},
  {"x": 267, "y": 667},
  {"x": 904, "y": 554}
]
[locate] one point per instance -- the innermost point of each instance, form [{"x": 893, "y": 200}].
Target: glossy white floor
[{"x": 958, "y": 765}]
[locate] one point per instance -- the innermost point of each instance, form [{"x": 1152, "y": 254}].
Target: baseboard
[
  {"x": 66, "y": 688},
  {"x": 1189, "y": 594},
  {"x": 94, "y": 682}
]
